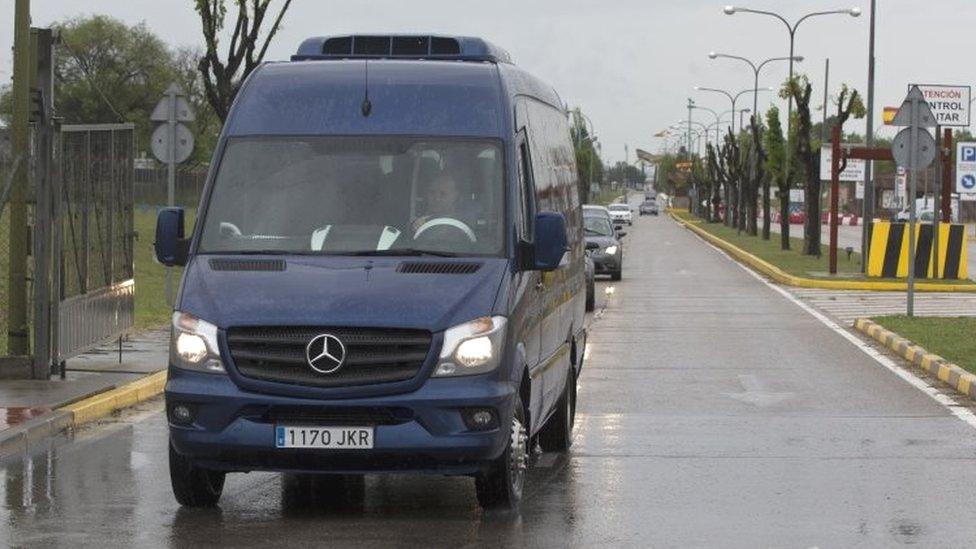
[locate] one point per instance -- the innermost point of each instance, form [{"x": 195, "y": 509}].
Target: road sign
[
  {"x": 926, "y": 118},
  {"x": 853, "y": 172},
  {"x": 926, "y": 149},
  {"x": 950, "y": 104},
  {"x": 160, "y": 143},
  {"x": 184, "y": 112},
  {"x": 966, "y": 168}
]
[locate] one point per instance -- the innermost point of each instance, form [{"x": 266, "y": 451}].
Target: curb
[
  {"x": 778, "y": 275},
  {"x": 20, "y": 437},
  {"x": 947, "y": 372}
]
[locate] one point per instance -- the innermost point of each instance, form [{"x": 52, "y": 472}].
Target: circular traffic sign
[
  {"x": 160, "y": 143},
  {"x": 969, "y": 182}
]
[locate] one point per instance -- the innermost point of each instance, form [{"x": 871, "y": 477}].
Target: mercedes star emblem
[{"x": 325, "y": 353}]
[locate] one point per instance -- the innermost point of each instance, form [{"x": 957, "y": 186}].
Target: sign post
[
  {"x": 172, "y": 143},
  {"x": 914, "y": 149}
]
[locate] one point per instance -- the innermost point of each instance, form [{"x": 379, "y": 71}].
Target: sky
[{"x": 629, "y": 64}]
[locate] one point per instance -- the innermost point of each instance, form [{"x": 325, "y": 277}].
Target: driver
[{"x": 441, "y": 199}]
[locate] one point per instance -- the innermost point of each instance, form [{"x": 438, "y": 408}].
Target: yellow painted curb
[
  {"x": 778, "y": 275},
  {"x": 963, "y": 382},
  {"x": 103, "y": 404}
]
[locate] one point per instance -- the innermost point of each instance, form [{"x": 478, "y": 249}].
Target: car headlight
[
  {"x": 193, "y": 345},
  {"x": 472, "y": 348},
  {"x": 611, "y": 250}
]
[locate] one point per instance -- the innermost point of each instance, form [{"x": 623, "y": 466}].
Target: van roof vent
[
  {"x": 422, "y": 267},
  {"x": 401, "y": 46},
  {"x": 224, "y": 264}
]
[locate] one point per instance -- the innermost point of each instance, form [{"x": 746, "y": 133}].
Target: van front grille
[{"x": 372, "y": 355}]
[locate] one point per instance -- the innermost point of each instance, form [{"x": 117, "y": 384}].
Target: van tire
[
  {"x": 618, "y": 274},
  {"x": 500, "y": 486},
  {"x": 557, "y": 433},
  {"x": 192, "y": 485},
  {"x": 590, "y": 296}
]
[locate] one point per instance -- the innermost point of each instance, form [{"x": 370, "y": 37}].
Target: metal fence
[
  {"x": 150, "y": 188},
  {"x": 95, "y": 226}
]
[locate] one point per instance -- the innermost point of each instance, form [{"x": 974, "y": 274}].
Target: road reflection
[{"x": 109, "y": 487}]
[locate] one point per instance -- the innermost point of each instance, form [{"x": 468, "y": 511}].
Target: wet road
[{"x": 713, "y": 412}]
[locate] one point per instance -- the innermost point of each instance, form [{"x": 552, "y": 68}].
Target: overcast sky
[{"x": 630, "y": 64}]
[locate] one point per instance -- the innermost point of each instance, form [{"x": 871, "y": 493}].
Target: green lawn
[
  {"x": 950, "y": 338},
  {"x": 152, "y": 310},
  {"x": 791, "y": 261}
]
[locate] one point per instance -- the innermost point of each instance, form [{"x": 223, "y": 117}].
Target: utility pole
[
  {"x": 18, "y": 341},
  {"x": 867, "y": 204}
]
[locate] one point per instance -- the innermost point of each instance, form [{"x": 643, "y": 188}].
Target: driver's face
[{"x": 442, "y": 197}]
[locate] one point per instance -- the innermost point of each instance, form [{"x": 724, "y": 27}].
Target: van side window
[{"x": 526, "y": 193}]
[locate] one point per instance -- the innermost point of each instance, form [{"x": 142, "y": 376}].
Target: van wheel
[
  {"x": 500, "y": 486},
  {"x": 618, "y": 274},
  {"x": 557, "y": 434},
  {"x": 590, "y": 297},
  {"x": 193, "y": 486}
]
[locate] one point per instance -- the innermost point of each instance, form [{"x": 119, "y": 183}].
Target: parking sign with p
[{"x": 966, "y": 168}]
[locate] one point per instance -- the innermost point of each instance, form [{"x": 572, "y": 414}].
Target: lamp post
[
  {"x": 732, "y": 10},
  {"x": 756, "y": 69},
  {"x": 732, "y": 98}
]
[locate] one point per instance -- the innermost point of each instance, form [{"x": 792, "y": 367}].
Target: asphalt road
[{"x": 713, "y": 412}]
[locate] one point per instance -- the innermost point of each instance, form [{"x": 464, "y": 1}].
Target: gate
[{"x": 94, "y": 236}]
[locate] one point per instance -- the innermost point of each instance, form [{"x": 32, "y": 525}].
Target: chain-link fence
[
  {"x": 151, "y": 186},
  {"x": 7, "y": 166}
]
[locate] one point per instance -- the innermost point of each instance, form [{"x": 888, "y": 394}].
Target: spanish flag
[{"x": 889, "y": 114}]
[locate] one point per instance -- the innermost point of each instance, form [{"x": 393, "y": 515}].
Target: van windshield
[{"x": 357, "y": 196}]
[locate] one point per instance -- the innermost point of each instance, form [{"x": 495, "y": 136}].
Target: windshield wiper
[{"x": 399, "y": 251}]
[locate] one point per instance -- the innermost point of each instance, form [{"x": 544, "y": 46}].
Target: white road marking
[{"x": 960, "y": 412}]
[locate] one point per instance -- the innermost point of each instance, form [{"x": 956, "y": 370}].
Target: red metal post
[
  {"x": 834, "y": 191},
  {"x": 947, "y": 177}
]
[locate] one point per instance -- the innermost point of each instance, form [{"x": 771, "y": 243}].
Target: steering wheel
[{"x": 446, "y": 222}]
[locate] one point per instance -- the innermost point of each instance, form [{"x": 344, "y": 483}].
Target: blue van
[{"x": 386, "y": 273}]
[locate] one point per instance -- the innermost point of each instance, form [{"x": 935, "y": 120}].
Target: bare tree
[
  {"x": 759, "y": 176},
  {"x": 733, "y": 178},
  {"x": 222, "y": 78},
  {"x": 801, "y": 90}
]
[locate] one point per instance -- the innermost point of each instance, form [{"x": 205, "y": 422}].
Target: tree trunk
[{"x": 784, "y": 222}]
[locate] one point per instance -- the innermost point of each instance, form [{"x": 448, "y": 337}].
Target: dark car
[
  {"x": 648, "y": 207},
  {"x": 604, "y": 245}
]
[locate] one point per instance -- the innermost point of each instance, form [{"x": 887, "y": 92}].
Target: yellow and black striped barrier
[{"x": 889, "y": 251}]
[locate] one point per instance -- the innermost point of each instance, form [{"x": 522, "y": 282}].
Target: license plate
[{"x": 333, "y": 438}]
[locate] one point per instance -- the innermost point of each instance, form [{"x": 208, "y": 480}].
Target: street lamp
[
  {"x": 756, "y": 69},
  {"x": 732, "y": 98},
  {"x": 853, "y": 12}
]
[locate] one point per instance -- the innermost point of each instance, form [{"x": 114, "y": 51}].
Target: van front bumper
[{"x": 422, "y": 431}]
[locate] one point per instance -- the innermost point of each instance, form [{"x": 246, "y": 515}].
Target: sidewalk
[{"x": 27, "y": 404}]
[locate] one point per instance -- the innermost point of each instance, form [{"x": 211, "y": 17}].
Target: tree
[
  {"x": 807, "y": 159},
  {"x": 589, "y": 166},
  {"x": 775, "y": 159},
  {"x": 106, "y": 71},
  {"x": 222, "y": 79},
  {"x": 759, "y": 177},
  {"x": 733, "y": 166}
]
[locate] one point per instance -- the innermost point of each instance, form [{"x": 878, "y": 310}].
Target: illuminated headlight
[
  {"x": 472, "y": 348},
  {"x": 193, "y": 345},
  {"x": 611, "y": 250}
]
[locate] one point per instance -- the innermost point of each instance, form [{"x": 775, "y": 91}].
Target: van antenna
[{"x": 367, "y": 106}]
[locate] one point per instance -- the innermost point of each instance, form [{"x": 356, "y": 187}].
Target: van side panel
[{"x": 557, "y": 190}]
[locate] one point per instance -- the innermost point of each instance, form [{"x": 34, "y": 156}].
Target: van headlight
[
  {"x": 193, "y": 345},
  {"x": 472, "y": 348},
  {"x": 611, "y": 250}
]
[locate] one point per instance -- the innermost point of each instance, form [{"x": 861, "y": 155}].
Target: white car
[{"x": 621, "y": 213}]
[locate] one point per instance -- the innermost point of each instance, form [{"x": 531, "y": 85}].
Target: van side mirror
[
  {"x": 171, "y": 246},
  {"x": 550, "y": 240},
  {"x": 621, "y": 234}
]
